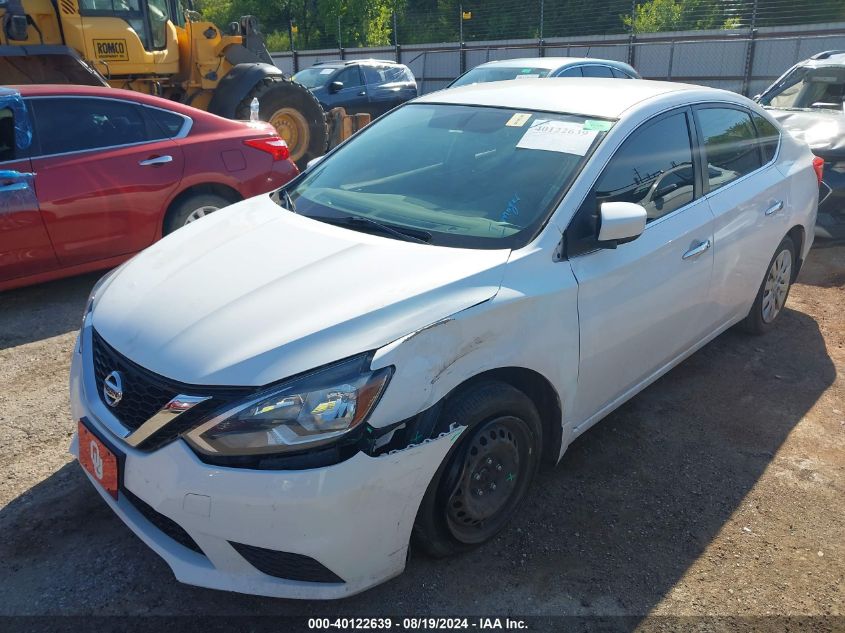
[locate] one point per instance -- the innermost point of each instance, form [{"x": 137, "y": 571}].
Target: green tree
[{"x": 678, "y": 15}]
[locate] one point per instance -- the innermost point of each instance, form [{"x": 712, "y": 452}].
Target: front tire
[
  {"x": 486, "y": 475},
  {"x": 774, "y": 291}
]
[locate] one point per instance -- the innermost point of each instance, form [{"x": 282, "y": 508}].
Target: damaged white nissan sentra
[{"x": 277, "y": 397}]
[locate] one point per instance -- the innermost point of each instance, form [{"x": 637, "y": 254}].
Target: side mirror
[
  {"x": 620, "y": 222},
  {"x": 335, "y": 86},
  {"x": 756, "y": 98},
  {"x": 313, "y": 162}
]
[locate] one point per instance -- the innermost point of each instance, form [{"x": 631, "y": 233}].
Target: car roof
[
  {"x": 72, "y": 90},
  {"x": 827, "y": 58},
  {"x": 338, "y": 63},
  {"x": 604, "y": 98},
  {"x": 548, "y": 63}
]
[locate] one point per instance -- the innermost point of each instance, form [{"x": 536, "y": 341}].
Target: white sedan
[{"x": 278, "y": 397}]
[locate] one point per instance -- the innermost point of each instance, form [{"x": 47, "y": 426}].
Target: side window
[
  {"x": 653, "y": 168},
  {"x": 7, "y": 135},
  {"x": 768, "y": 135},
  {"x": 571, "y": 72},
  {"x": 593, "y": 70},
  {"x": 730, "y": 144},
  {"x": 395, "y": 74},
  {"x": 350, "y": 77},
  {"x": 165, "y": 124},
  {"x": 371, "y": 75},
  {"x": 618, "y": 74},
  {"x": 76, "y": 124}
]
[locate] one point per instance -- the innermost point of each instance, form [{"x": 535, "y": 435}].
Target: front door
[
  {"x": 25, "y": 248},
  {"x": 644, "y": 303}
]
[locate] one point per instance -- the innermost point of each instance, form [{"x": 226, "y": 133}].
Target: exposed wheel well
[
  {"x": 797, "y": 235},
  {"x": 544, "y": 396},
  {"x": 212, "y": 187}
]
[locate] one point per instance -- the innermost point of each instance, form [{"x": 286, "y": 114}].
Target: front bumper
[{"x": 353, "y": 518}]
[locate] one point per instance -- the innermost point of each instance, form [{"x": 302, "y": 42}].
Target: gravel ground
[{"x": 718, "y": 490}]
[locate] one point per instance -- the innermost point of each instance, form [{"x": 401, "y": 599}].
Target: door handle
[
  {"x": 695, "y": 251},
  {"x": 363, "y": 93},
  {"x": 156, "y": 160},
  {"x": 777, "y": 206},
  {"x": 14, "y": 186}
]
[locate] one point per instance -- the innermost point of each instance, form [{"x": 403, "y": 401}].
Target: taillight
[
  {"x": 273, "y": 145},
  {"x": 818, "y": 165}
]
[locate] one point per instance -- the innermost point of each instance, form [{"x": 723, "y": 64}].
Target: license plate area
[{"x": 99, "y": 459}]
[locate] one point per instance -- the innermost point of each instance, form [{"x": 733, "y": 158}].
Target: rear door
[
  {"x": 643, "y": 304},
  {"x": 25, "y": 248},
  {"x": 388, "y": 86},
  {"x": 104, "y": 174},
  {"x": 748, "y": 197}
]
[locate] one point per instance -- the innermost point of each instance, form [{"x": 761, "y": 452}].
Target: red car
[{"x": 107, "y": 172}]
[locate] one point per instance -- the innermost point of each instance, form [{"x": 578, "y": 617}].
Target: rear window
[
  {"x": 768, "y": 135},
  {"x": 168, "y": 123},
  {"x": 730, "y": 144},
  {"x": 72, "y": 124},
  {"x": 387, "y": 74},
  {"x": 486, "y": 74}
]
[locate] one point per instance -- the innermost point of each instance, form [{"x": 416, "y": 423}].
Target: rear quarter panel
[{"x": 795, "y": 162}]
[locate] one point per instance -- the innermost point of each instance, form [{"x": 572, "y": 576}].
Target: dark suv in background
[{"x": 372, "y": 86}]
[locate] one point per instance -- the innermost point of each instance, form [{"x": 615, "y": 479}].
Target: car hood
[
  {"x": 824, "y": 132},
  {"x": 253, "y": 294}
]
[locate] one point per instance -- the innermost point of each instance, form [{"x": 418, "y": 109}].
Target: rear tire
[
  {"x": 486, "y": 475},
  {"x": 294, "y": 112},
  {"x": 193, "y": 208},
  {"x": 774, "y": 291}
]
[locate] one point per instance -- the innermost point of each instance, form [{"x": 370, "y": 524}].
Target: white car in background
[
  {"x": 276, "y": 396},
  {"x": 535, "y": 67}
]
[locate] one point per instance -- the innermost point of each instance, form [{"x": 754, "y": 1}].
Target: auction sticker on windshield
[{"x": 558, "y": 136}]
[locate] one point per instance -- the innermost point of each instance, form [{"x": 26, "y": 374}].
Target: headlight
[{"x": 303, "y": 413}]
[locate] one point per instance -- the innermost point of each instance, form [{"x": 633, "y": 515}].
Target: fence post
[
  {"x": 342, "y": 52},
  {"x": 463, "y": 57},
  {"x": 671, "y": 59},
  {"x": 749, "y": 50},
  {"x": 295, "y": 61},
  {"x": 633, "y": 36},
  {"x": 542, "y": 48},
  {"x": 398, "y": 49},
  {"x": 749, "y": 61}
]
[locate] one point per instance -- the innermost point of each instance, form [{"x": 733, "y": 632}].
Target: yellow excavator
[{"x": 160, "y": 47}]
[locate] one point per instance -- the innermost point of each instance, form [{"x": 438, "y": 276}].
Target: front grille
[
  {"x": 145, "y": 393},
  {"x": 285, "y": 564},
  {"x": 166, "y": 525}
]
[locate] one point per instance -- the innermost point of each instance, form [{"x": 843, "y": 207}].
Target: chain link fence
[
  {"x": 744, "y": 61},
  {"x": 323, "y": 24}
]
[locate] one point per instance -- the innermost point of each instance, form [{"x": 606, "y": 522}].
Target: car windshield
[
  {"x": 451, "y": 175},
  {"x": 484, "y": 74},
  {"x": 806, "y": 88},
  {"x": 314, "y": 77}
]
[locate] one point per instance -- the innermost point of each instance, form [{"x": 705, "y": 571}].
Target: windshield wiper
[
  {"x": 289, "y": 201},
  {"x": 408, "y": 235}
]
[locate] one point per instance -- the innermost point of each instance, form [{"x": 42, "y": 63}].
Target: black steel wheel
[{"x": 485, "y": 477}]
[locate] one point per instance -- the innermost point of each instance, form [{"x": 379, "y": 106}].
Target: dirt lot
[{"x": 718, "y": 490}]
